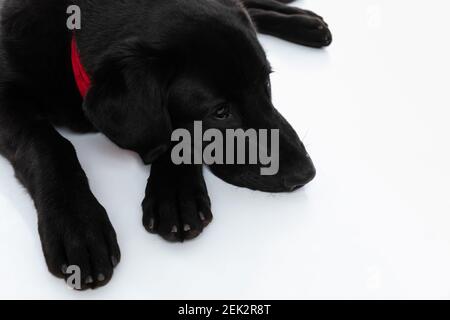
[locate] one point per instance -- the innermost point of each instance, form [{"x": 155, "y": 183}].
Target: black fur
[{"x": 156, "y": 65}]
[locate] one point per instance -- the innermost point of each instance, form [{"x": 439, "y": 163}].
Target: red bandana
[{"x": 81, "y": 77}]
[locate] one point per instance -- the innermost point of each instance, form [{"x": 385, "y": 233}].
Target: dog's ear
[{"x": 127, "y": 99}]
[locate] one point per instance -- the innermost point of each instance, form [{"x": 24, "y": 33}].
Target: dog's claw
[
  {"x": 206, "y": 219},
  {"x": 151, "y": 225},
  {"x": 101, "y": 277},
  {"x": 171, "y": 237},
  {"x": 192, "y": 234},
  {"x": 114, "y": 261}
]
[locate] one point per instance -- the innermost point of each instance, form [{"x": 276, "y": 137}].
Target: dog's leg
[
  {"x": 289, "y": 23},
  {"x": 176, "y": 204},
  {"x": 278, "y": 6},
  {"x": 74, "y": 228}
]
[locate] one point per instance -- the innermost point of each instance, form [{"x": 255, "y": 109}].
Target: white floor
[{"x": 373, "y": 110}]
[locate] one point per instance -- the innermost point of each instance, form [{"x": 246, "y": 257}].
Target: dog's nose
[{"x": 300, "y": 179}]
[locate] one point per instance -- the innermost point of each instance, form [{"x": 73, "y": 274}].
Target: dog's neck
[{"x": 81, "y": 77}]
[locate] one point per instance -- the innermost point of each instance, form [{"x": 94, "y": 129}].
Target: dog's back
[{"x": 36, "y": 41}]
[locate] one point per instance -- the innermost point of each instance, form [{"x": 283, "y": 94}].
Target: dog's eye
[{"x": 222, "y": 112}]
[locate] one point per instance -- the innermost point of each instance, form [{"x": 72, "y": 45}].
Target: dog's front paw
[
  {"x": 293, "y": 24},
  {"x": 176, "y": 204},
  {"x": 308, "y": 29},
  {"x": 79, "y": 243}
]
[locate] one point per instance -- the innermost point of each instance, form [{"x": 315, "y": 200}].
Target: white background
[{"x": 373, "y": 110}]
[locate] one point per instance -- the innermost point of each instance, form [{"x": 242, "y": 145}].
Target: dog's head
[{"x": 212, "y": 70}]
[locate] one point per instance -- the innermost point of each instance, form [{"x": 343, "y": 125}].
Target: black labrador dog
[{"x": 153, "y": 66}]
